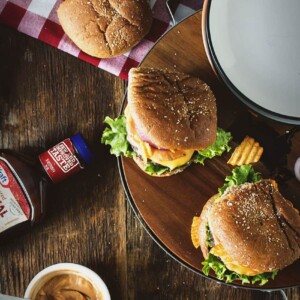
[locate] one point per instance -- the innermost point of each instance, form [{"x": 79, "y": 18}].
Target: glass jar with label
[{"x": 23, "y": 181}]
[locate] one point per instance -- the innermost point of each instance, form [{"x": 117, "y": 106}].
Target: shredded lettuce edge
[
  {"x": 220, "y": 145},
  {"x": 152, "y": 168},
  {"x": 115, "y": 135},
  {"x": 240, "y": 175},
  {"x": 213, "y": 263}
]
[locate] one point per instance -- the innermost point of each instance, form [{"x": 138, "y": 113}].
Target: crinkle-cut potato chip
[
  {"x": 249, "y": 151},
  {"x": 195, "y": 232}
]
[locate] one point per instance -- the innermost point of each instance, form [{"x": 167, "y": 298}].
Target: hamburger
[
  {"x": 248, "y": 231},
  {"x": 169, "y": 122}
]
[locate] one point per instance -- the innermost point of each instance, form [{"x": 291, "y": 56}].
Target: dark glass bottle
[{"x": 24, "y": 182}]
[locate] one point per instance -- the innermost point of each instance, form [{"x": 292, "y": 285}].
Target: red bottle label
[
  {"x": 14, "y": 207},
  {"x": 60, "y": 161}
]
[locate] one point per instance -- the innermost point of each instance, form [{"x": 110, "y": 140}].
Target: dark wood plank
[{"x": 45, "y": 96}]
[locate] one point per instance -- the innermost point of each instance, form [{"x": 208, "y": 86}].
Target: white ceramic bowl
[{"x": 39, "y": 279}]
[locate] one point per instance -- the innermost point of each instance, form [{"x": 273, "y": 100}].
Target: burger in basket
[
  {"x": 170, "y": 122},
  {"x": 248, "y": 231}
]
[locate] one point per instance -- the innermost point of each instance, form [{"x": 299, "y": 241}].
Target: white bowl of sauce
[{"x": 67, "y": 281}]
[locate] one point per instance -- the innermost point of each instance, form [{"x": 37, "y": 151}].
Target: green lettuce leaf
[
  {"x": 208, "y": 240},
  {"x": 152, "y": 169},
  {"x": 116, "y": 136},
  {"x": 222, "y": 273},
  {"x": 220, "y": 145},
  {"x": 240, "y": 175}
]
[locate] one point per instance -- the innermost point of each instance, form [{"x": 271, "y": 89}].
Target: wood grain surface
[{"x": 45, "y": 96}]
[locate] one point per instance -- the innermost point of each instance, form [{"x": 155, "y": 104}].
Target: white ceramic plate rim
[{"x": 250, "y": 81}]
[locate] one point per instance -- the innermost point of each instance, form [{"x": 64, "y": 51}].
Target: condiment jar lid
[{"x": 82, "y": 148}]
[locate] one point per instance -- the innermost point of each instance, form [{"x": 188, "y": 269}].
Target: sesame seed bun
[
  {"x": 105, "y": 28},
  {"x": 173, "y": 110},
  {"x": 255, "y": 225}
]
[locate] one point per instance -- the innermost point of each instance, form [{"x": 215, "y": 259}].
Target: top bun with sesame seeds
[
  {"x": 105, "y": 28},
  {"x": 172, "y": 110},
  {"x": 251, "y": 229},
  {"x": 169, "y": 116}
]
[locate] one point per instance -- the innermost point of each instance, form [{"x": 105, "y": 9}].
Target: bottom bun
[{"x": 142, "y": 165}]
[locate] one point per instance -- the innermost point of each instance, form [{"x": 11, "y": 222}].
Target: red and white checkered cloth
[{"x": 38, "y": 18}]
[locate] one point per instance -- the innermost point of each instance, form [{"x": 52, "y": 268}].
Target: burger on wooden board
[
  {"x": 170, "y": 121},
  {"x": 248, "y": 231}
]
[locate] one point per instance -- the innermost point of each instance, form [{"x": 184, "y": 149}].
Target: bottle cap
[{"x": 82, "y": 148}]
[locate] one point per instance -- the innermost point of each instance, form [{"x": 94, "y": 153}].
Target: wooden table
[{"x": 45, "y": 96}]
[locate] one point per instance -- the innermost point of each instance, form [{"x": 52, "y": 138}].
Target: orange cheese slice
[
  {"x": 232, "y": 265},
  {"x": 168, "y": 158}
]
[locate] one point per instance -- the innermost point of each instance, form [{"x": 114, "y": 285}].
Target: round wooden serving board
[{"x": 166, "y": 206}]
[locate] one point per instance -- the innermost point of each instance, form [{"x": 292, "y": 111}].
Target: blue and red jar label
[
  {"x": 14, "y": 207},
  {"x": 60, "y": 161}
]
